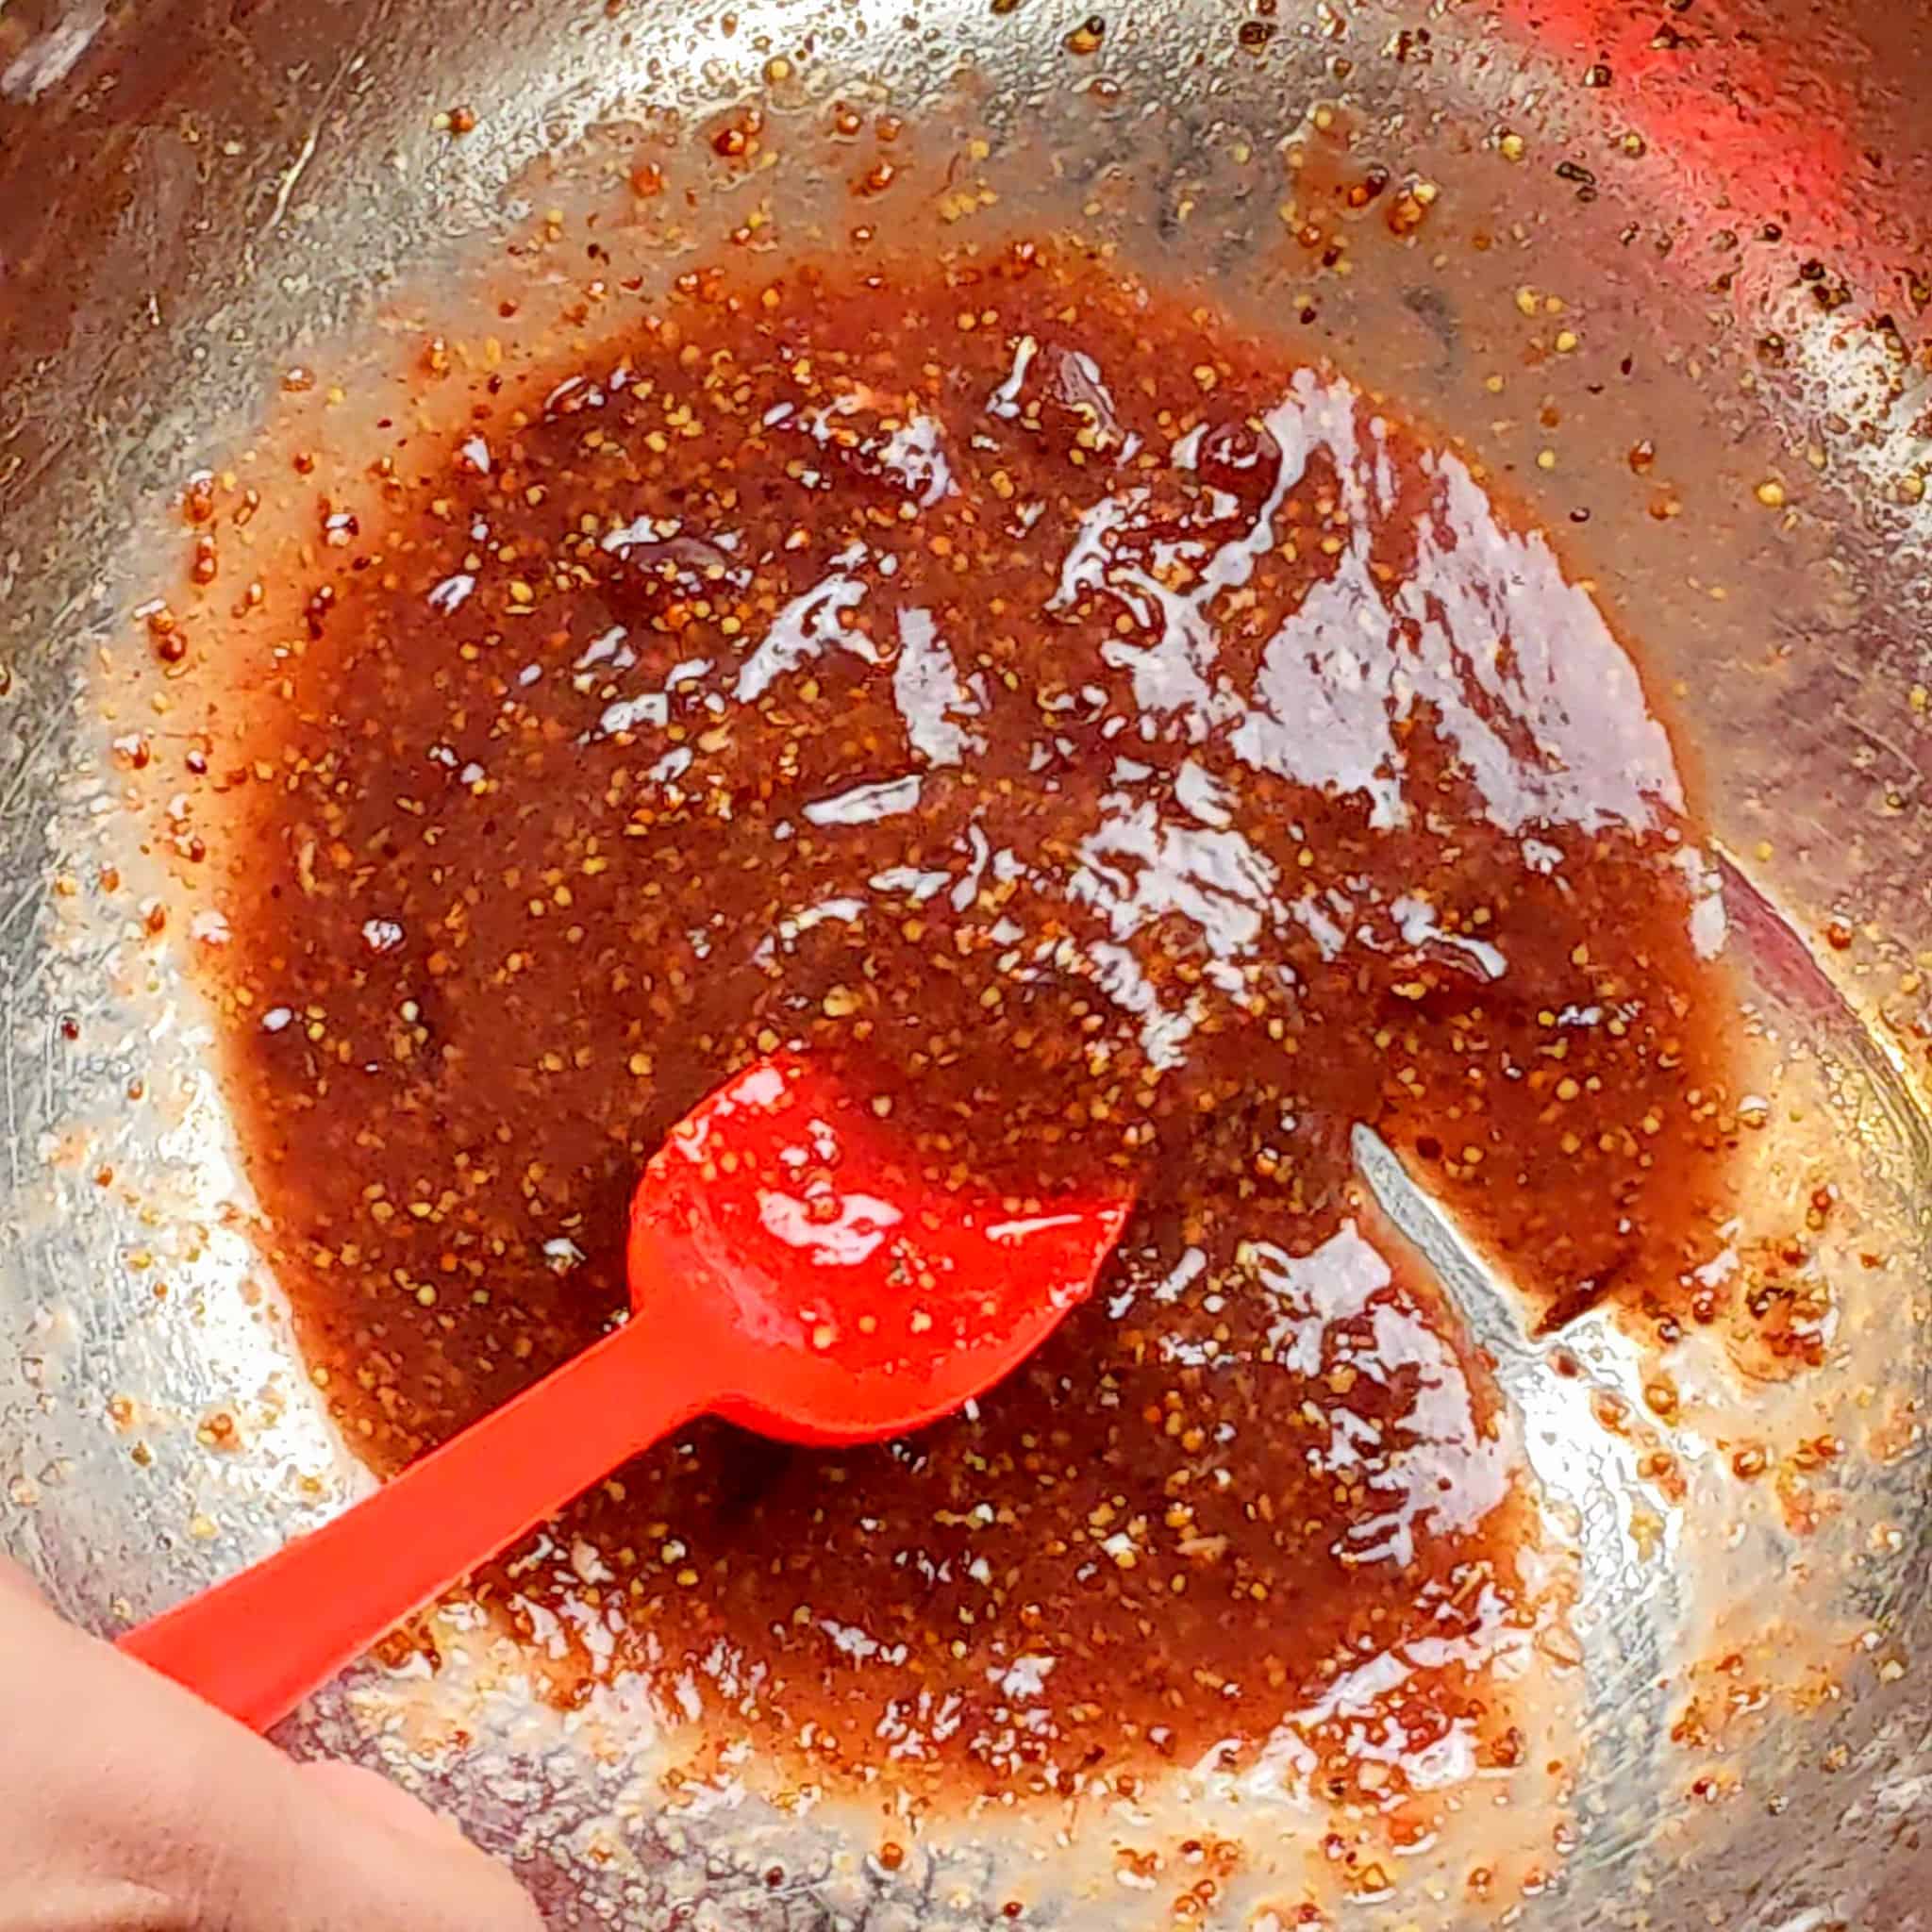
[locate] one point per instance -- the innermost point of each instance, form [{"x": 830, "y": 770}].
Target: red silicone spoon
[{"x": 789, "y": 1271}]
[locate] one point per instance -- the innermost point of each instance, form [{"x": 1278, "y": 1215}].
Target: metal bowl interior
[{"x": 1726, "y": 201}]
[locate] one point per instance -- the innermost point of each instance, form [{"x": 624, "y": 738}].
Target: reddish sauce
[{"x": 1133, "y": 749}]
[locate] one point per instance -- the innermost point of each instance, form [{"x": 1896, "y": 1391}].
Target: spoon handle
[{"x": 258, "y": 1644}]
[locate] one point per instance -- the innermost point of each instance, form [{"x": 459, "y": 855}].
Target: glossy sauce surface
[{"x": 1130, "y": 749}]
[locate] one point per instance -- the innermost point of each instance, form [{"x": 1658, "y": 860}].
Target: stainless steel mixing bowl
[{"x": 1684, "y": 248}]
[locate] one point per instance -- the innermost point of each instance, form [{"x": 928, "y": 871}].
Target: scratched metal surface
[{"x": 191, "y": 192}]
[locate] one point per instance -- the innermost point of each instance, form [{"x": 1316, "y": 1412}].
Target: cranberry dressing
[{"x": 1126, "y": 748}]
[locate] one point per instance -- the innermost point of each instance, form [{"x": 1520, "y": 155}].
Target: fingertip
[
  {"x": 449, "y": 1881},
  {"x": 372, "y": 1797}
]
